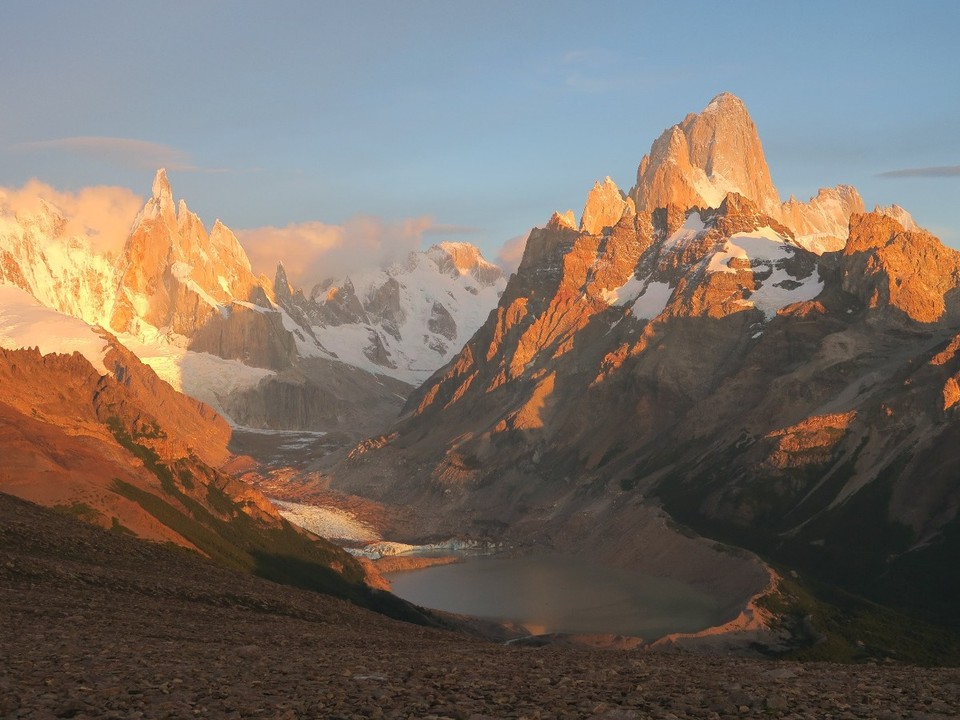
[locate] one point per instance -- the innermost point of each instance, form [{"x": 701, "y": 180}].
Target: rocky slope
[
  {"x": 124, "y": 451},
  {"x": 690, "y": 348},
  {"x": 101, "y": 625}
]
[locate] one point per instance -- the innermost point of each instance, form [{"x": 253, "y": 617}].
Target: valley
[
  {"x": 697, "y": 420},
  {"x": 462, "y": 361}
]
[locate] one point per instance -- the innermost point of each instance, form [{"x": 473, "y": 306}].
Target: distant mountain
[
  {"x": 187, "y": 303},
  {"x": 690, "y": 346},
  {"x": 404, "y": 321}
]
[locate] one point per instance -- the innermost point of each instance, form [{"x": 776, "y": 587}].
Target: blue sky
[{"x": 482, "y": 117}]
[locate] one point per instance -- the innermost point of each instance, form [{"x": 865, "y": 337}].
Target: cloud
[
  {"x": 123, "y": 152},
  {"x": 511, "y": 253},
  {"x": 103, "y": 214},
  {"x": 314, "y": 251},
  {"x": 937, "y": 171},
  {"x": 127, "y": 152}
]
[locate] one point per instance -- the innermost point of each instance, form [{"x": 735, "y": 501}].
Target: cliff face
[
  {"x": 175, "y": 275},
  {"x": 697, "y": 162}
]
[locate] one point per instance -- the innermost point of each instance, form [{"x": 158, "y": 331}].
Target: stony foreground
[{"x": 98, "y": 625}]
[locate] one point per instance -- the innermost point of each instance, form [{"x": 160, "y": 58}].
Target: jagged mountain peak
[
  {"x": 174, "y": 274},
  {"x": 821, "y": 224},
  {"x": 604, "y": 207},
  {"x": 565, "y": 220},
  {"x": 160, "y": 206},
  {"x": 698, "y": 161},
  {"x": 281, "y": 285},
  {"x": 461, "y": 258},
  {"x": 161, "y": 185},
  {"x": 408, "y": 319},
  {"x": 899, "y": 214}
]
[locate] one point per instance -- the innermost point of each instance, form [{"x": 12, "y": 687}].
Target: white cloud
[
  {"x": 102, "y": 213},
  {"x": 314, "y": 251},
  {"x": 511, "y": 253}
]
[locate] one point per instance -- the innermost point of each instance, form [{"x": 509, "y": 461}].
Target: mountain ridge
[
  {"x": 187, "y": 301},
  {"x": 710, "y": 362}
]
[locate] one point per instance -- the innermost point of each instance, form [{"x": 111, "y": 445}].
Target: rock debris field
[{"x": 99, "y": 625}]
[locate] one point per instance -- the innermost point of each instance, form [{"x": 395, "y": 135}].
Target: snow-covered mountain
[
  {"x": 188, "y": 304},
  {"x": 61, "y": 271},
  {"x": 405, "y": 321}
]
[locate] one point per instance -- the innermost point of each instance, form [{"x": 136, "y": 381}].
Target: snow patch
[
  {"x": 625, "y": 293},
  {"x": 764, "y": 247},
  {"x": 653, "y": 300},
  {"x": 691, "y": 227},
  {"x": 24, "y": 323},
  {"x": 202, "y": 376},
  {"x": 327, "y": 522}
]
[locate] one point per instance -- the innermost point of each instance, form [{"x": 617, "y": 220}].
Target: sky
[{"x": 393, "y": 124}]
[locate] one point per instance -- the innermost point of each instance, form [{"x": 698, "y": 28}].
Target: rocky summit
[{"x": 692, "y": 347}]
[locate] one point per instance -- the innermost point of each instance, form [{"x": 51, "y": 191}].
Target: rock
[
  {"x": 903, "y": 273},
  {"x": 776, "y": 703},
  {"x": 605, "y": 206},
  {"x": 173, "y": 274},
  {"x": 697, "y": 162}
]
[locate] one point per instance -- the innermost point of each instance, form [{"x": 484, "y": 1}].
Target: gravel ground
[{"x": 99, "y": 625}]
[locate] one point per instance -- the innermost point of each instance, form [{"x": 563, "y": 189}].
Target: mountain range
[
  {"x": 780, "y": 376},
  {"x": 97, "y": 351},
  {"x": 693, "y": 375},
  {"x": 187, "y": 303}
]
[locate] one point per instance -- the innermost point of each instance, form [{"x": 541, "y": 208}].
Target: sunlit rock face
[
  {"x": 175, "y": 275},
  {"x": 899, "y": 271},
  {"x": 38, "y": 254},
  {"x": 697, "y": 162}
]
